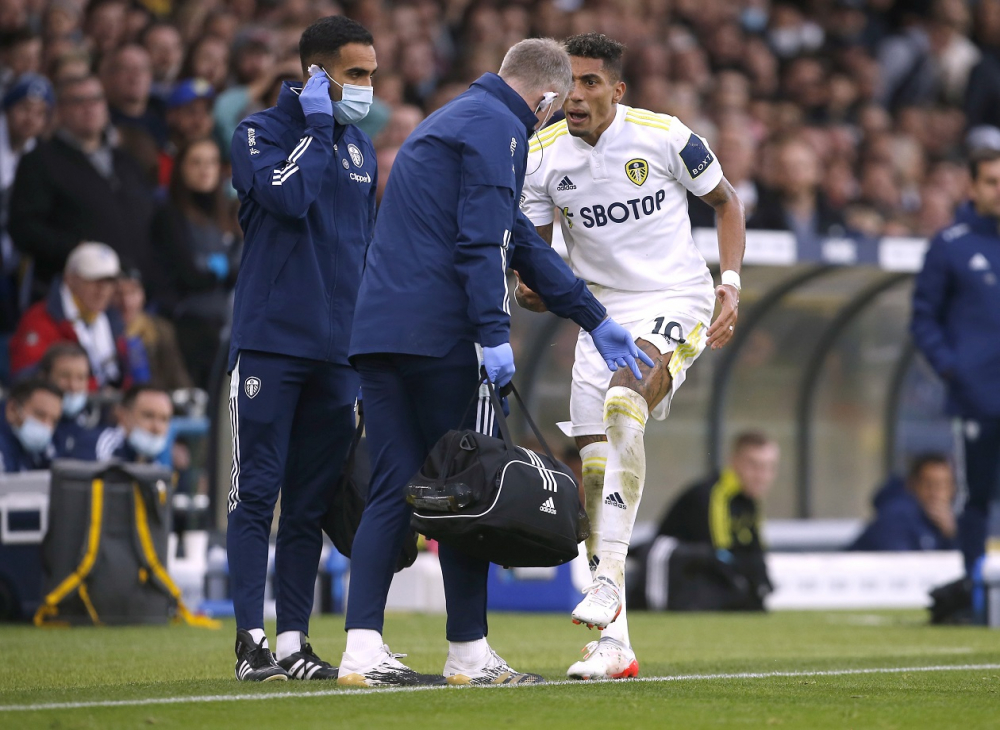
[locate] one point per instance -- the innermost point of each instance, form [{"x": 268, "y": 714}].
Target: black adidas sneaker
[
  {"x": 254, "y": 662},
  {"x": 304, "y": 664}
]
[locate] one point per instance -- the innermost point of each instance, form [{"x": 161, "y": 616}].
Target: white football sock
[
  {"x": 289, "y": 642},
  {"x": 594, "y": 457},
  {"x": 361, "y": 642},
  {"x": 625, "y": 415},
  {"x": 257, "y": 635},
  {"x": 618, "y": 629},
  {"x": 468, "y": 652}
]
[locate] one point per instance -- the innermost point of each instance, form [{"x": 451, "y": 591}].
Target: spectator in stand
[
  {"x": 208, "y": 58},
  {"x": 917, "y": 515},
  {"x": 77, "y": 310},
  {"x": 798, "y": 203},
  {"x": 164, "y": 362},
  {"x": 31, "y": 412},
  {"x": 195, "y": 237},
  {"x": 143, "y": 431},
  {"x": 189, "y": 118},
  {"x": 78, "y": 187},
  {"x": 27, "y": 108},
  {"x": 127, "y": 77},
  {"x": 104, "y": 24},
  {"x": 66, "y": 366},
  {"x": 166, "y": 54},
  {"x": 20, "y": 53}
]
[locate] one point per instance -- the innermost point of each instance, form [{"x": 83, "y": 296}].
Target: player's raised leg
[{"x": 626, "y": 409}]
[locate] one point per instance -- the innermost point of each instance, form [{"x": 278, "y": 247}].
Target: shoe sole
[
  {"x": 599, "y": 627},
  {"x": 459, "y": 679},
  {"x": 353, "y": 680}
]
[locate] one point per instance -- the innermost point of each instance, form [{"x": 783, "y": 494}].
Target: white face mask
[
  {"x": 147, "y": 444},
  {"x": 34, "y": 435},
  {"x": 354, "y": 102},
  {"x": 73, "y": 403}
]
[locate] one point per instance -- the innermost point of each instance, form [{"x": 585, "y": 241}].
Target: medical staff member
[
  {"x": 435, "y": 289},
  {"x": 956, "y": 325},
  {"x": 306, "y": 180}
]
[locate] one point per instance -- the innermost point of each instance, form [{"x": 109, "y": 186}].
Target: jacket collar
[
  {"x": 512, "y": 100},
  {"x": 982, "y": 224},
  {"x": 288, "y": 101}
]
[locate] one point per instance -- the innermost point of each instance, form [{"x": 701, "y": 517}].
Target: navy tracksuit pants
[
  {"x": 410, "y": 402},
  {"x": 292, "y": 420},
  {"x": 979, "y": 451}
]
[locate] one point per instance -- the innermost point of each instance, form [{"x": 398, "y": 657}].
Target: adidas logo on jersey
[
  {"x": 548, "y": 506},
  {"x": 615, "y": 500},
  {"x": 565, "y": 184}
]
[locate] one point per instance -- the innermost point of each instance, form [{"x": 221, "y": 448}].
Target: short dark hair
[
  {"x": 922, "y": 461},
  {"x": 751, "y": 440},
  {"x": 598, "y": 45},
  {"x": 133, "y": 393},
  {"x": 57, "y": 351},
  {"x": 328, "y": 35},
  {"x": 980, "y": 156},
  {"x": 21, "y": 392}
]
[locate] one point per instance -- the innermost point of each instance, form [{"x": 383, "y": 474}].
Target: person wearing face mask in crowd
[
  {"x": 306, "y": 180},
  {"x": 143, "y": 430},
  {"x": 66, "y": 366},
  {"x": 31, "y": 412}
]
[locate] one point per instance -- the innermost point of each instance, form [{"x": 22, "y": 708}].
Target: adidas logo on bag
[
  {"x": 565, "y": 184},
  {"x": 548, "y": 506},
  {"x": 615, "y": 500}
]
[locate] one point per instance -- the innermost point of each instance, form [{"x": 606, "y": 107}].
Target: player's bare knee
[
  {"x": 656, "y": 381},
  {"x": 582, "y": 441}
]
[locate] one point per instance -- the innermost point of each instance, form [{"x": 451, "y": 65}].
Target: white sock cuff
[
  {"x": 363, "y": 641},
  {"x": 626, "y": 408},
  {"x": 257, "y": 635},
  {"x": 468, "y": 652},
  {"x": 288, "y": 643},
  {"x": 594, "y": 455}
]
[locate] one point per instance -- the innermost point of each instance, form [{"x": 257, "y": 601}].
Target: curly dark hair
[
  {"x": 327, "y": 35},
  {"x": 598, "y": 45}
]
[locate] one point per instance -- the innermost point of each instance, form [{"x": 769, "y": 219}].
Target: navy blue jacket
[
  {"x": 956, "y": 312},
  {"x": 13, "y": 457},
  {"x": 75, "y": 438},
  {"x": 307, "y": 209},
  {"x": 449, "y": 226},
  {"x": 900, "y": 524}
]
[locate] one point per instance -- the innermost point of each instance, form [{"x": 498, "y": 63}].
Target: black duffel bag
[
  {"x": 343, "y": 515},
  {"x": 497, "y": 501}
]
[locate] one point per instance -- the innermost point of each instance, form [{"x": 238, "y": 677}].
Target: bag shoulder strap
[{"x": 502, "y": 419}]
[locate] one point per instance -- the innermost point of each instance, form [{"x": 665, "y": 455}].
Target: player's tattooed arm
[
  {"x": 525, "y": 297},
  {"x": 731, "y": 227}
]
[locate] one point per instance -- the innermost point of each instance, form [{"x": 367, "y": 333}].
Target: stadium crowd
[{"x": 830, "y": 117}]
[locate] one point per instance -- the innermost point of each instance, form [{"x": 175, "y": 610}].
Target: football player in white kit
[{"x": 617, "y": 178}]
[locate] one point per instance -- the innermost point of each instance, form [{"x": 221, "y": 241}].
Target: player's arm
[
  {"x": 731, "y": 226},
  {"x": 525, "y": 297}
]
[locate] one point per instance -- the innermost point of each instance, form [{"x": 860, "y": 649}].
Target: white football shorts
[{"x": 672, "y": 322}]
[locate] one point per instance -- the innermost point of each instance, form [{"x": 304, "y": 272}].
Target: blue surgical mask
[
  {"x": 354, "y": 103},
  {"x": 147, "y": 444},
  {"x": 34, "y": 435},
  {"x": 73, "y": 403}
]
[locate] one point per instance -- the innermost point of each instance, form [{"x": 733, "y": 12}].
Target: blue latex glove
[
  {"x": 315, "y": 95},
  {"x": 499, "y": 364},
  {"x": 617, "y": 347},
  {"x": 218, "y": 264}
]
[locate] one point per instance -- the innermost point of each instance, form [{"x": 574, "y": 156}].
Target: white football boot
[
  {"x": 490, "y": 670},
  {"x": 605, "y": 659},
  {"x": 600, "y": 606}
]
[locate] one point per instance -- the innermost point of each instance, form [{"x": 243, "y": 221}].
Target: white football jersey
[{"x": 623, "y": 204}]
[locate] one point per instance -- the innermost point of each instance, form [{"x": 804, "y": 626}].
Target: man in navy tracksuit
[
  {"x": 956, "y": 324},
  {"x": 434, "y": 288},
  {"x": 306, "y": 180}
]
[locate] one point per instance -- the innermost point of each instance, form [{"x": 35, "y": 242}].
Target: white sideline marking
[{"x": 560, "y": 683}]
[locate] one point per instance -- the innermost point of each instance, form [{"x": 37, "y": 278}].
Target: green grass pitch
[{"x": 790, "y": 670}]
